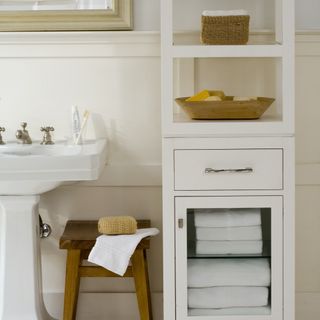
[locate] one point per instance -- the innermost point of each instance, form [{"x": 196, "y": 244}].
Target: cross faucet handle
[
  {"x": 2, "y": 129},
  {"x": 24, "y": 125},
  {"x": 47, "y": 129},
  {"x": 47, "y": 138}
]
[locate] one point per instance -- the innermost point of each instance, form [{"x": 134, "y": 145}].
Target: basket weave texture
[
  {"x": 117, "y": 225},
  {"x": 225, "y": 29}
]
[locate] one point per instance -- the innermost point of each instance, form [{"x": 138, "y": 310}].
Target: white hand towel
[
  {"x": 230, "y": 311},
  {"x": 229, "y": 247},
  {"x": 228, "y": 272},
  {"x": 114, "y": 252},
  {"x": 229, "y": 233},
  {"x": 228, "y": 297},
  {"x": 227, "y": 217},
  {"x": 215, "y": 13}
]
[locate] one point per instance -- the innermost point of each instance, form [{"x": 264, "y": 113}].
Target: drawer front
[{"x": 232, "y": 169}]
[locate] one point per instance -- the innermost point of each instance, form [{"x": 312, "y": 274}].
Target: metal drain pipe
[{"x": 45, "y": 229}]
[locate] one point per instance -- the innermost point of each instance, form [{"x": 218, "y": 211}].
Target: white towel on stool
[
  {"x": 114, "y": 252},
  {"x": 227, "y": 217},
  {"x": 227, "y": 297},
  {"x": 229, "y": 233}
]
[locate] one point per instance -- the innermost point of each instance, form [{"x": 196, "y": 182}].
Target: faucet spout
[{"x": 23, "y": 135}]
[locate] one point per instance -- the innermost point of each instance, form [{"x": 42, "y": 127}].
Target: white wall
[
  {"x": 308, "y": 179},
  {"x": 118, "y": 76},
  {"x": 146, "y": 13},
  {"x": 307, "y": 14},
  {"x": 119, "y": 81}
]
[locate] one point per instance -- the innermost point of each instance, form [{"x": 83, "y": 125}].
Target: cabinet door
[{"x": 229, "y": 258}]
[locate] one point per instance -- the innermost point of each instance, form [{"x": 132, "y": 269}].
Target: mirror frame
[{"x": 119, "y": 18}]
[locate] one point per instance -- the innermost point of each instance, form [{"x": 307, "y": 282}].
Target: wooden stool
[{"x": 78, "y": 238}]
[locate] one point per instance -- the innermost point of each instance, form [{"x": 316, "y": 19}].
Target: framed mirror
[{"x": 65, "y": 15}]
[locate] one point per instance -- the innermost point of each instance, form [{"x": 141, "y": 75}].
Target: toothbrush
[
  {"x": 76, "y": 124},
  {"x": 83, "y": 125}
]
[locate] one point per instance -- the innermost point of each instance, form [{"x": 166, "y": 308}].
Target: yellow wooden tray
[{"x": 225, "y": 109}]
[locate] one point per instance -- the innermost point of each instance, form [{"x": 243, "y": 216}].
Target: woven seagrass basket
[{"x": 223, "y": 30}]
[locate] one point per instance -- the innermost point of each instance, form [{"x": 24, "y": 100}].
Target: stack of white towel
[
  {"x": 228, "y": 231},
  {"x": 234, "y": 286},
  {"x": 228, "y": 286}
]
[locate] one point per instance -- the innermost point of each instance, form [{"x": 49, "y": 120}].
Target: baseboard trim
[{"x": 101, "y": 306}]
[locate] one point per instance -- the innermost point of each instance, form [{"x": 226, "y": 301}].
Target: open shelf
[
  {"x": 183, "y": 118},
  {"x": 246, "y": 71},
  {"x": 238, "y": 129},
  {"x": 182, "y": 122},
  {"x": 261, "y": 44},
  {"x": 264, "y": 14},
  {"x": 268, "y": 123},
  {"x": 188, "y": 69},
  {"x": 261, "y": 50},
  {"x": 235, "y": 76}
]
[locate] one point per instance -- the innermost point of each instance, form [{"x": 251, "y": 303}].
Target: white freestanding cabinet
[{"x": 228, "y": 165}]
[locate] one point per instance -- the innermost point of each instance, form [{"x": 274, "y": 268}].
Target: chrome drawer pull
[{"x": 210, "y": 170}]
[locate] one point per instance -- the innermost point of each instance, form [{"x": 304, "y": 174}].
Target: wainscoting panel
[{"x": 117, "y": 77}]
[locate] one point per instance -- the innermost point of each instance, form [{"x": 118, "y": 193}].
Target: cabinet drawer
[{"x": 232, "y": 169}]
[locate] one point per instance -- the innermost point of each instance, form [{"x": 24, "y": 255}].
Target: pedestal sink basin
[
  {"x": 35, "y": 169},
  {"x": 26, "y": 171}
]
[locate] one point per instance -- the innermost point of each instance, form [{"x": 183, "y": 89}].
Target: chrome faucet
[
  {"x": 23, "y": 135},
  {"x": 2, "y": 130},
  {"x": 47, "y": 138}
]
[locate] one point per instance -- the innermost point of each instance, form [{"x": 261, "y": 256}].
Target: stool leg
[
  {"x": 141, "y": 279},
  {"x": 71, "y": 285}
]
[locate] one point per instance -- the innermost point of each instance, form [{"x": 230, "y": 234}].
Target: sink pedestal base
[{"x": 20, "y": 261}]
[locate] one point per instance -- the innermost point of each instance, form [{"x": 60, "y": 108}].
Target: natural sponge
[{"x": 117, "y": 225}]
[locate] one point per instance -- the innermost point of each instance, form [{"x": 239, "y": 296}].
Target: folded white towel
[
  {"x": 216, "y": 13},
  {"x": 230, "y": 311},
  {"x": 227, "y": 217},
  {"x": 229, "y": 247},
  {"x": 228, "y": 272},
  {"x": 114, "y": 252},
  {"x": 229, "y": 233},
  {"x": 228, "y": 297}
]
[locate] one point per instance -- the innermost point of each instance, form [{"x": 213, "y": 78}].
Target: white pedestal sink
[{"x": 26, "y": 171}]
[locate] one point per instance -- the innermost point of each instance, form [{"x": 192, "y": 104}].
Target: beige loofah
[{"x": 117, "y": 225}]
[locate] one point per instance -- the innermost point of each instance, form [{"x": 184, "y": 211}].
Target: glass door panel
[{"x": 229, "y": 257}]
